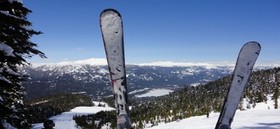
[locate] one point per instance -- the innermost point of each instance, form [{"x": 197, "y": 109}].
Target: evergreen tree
[
  {"x": 15, "y": 46},
  {"x": 276, "y": 92}
]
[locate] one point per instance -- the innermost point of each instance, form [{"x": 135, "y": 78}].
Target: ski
[
  {"x": 112, "y": 33},
  {"x": 243, "y": 68}
]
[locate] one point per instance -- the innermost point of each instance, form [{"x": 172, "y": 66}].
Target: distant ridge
[
  {"x": 103, "y": 62},
  {"x": 182, "y": 64},
  {"x": 90, "y": 61}
]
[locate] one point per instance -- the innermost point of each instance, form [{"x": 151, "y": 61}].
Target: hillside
[
  {"x": 262, "y": 89},
  {"x": 202, "y": 99},
  {"x": 258, "y": 118},
  {"x": 40, "y": 109}
]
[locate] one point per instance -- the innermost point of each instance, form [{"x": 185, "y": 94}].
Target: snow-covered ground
[
  {"x": 65, "y": 121},
  {"x": 263, "y": 116},
  {"x": 252, "y": 119},
  {"x": 155, "y": 93}
]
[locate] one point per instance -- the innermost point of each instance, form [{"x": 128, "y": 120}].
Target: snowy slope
[
  {"x": 263, "y": 116},
  {"x": 253, "y": 119}
]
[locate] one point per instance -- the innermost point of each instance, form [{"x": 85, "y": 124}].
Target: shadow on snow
[{"x": 265, "y": 126}]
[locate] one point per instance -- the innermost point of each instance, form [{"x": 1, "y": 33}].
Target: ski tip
[
  {"x": 253, "y": 42},
  {"x": 110, "y": 10}
]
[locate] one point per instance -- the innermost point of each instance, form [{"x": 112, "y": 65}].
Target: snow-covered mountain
[{"x": 91, "y": 77}]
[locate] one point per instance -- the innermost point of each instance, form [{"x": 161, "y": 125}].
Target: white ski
[
  {"x": 112, "y": 33},
  {"x": 244, "y": 66}
]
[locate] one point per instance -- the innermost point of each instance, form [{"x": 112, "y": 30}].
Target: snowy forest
[
  {"x": 15, "y": 48},
  {"x": 193, "y": 101}
]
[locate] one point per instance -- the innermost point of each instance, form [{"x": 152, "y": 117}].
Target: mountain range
[{"x": 91, "y": 77}]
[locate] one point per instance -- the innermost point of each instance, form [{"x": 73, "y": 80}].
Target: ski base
[{"x": 243, "y": 68}]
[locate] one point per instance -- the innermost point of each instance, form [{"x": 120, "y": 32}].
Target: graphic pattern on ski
[
  {"x": 243, "y": 68},
  {"x": 112, "y": 33}
]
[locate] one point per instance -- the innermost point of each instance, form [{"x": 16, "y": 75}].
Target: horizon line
[{"x": 103, "y": 61}]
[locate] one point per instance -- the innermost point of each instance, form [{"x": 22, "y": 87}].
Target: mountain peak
[{"x": 90, "y": 61}]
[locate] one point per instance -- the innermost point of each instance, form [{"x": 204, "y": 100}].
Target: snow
[
  {"x": 19, "y": 1},
  {"x": 45, "y": 101},
  {"x": 155, "y": 93},
  {"x": 2, "y": 77},
  {"x": 252, "y": 119},
  {"x": 261, "y": 117},
  {"x": 195, "y": 84},
  {"x": 7, "y": 69},
  {"x": 65, "y": 121},
  {"x": 8, "y": 51},
  {"x": 209, "y": 65},
  {"x": 137, "y": 91},
  {"x": 91, "y": 61},
  {"x": 8, "y": 125},
  {"x": 10, "y": 15}
]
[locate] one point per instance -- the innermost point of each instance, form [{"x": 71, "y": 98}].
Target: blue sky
[{"x": 158, "y": 30}]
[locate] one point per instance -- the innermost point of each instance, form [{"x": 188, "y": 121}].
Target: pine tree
[
  {"x": 15, "y": 46},
  {"x": 276, "y": 92}
]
